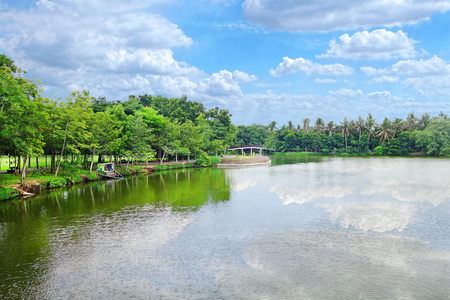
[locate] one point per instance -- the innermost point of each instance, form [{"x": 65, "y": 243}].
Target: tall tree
[
  {"x": 23, "y": 113},
  {"x": 411, "y": 122},
  {"x": 384, "y": 131},
  {"x": 306, "y": 128},
  {"x": 345, "y": 130},
  {"x": 359, "y": 126}
]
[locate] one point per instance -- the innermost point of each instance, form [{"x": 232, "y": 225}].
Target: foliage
[
  {"x": 202, "y": 160},
  {"x": 215, "y": 160}
]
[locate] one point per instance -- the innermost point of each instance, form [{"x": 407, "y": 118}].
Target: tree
[
  {"x": 384, "y": 131},
  {"x": 305, "y": 122},
  {"x": 331, "y": 127},
  {"x": 397, "y": 126},
  {"x": 272, "y": 126},
  {"x": 73, "y": 127},
  {"x": 23, "y": 114},
  {"x": 360, "y": 125},
  {"x": 320, "y": 125},
  {"x": 411, "y": 122},
  {"x": 345, "y": 131},
  {"x": 435, "y": 139}
]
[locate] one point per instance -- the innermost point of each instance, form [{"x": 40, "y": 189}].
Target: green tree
[
  {"x": 345, "y": 130},
  {"x": 23, "y": 114}
]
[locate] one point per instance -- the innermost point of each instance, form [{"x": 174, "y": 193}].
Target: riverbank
[
  {"x": 238, "y": 160},
  {"x": 37, "y": 180}
]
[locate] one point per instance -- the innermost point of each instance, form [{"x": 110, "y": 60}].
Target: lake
[{"x": 306, "y": 227}]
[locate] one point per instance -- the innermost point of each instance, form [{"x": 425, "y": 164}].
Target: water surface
[{"x": 308, "y": 228}]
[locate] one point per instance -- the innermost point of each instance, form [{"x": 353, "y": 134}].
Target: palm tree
[
  {"x": 272, "y": 126},
  {"x": 411, "y": 122},
  {"x": 424, "y": 120},
  {"x": 290, "y": 125},
  {"x": 306, "y": 125},
  {"x": 370, "y": 126},
  {"x": 443, "y": 116},
  {"x": 384, "y": 130},
  {"x": 331, "y": 127},
  {"x": 397, "y": 126},
  {"x": 345, "y": 130},
  {"x": 320, "y": 124},
  {"x": 359, "y": 125}
]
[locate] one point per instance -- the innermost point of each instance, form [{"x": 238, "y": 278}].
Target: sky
[{"x": 263, "y": 60}]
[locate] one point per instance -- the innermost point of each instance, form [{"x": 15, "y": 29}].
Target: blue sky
[{"x": 262, "y": 60}]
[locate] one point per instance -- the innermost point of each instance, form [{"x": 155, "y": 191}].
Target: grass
[
  {"x": 238, "y": 159},
  {"x": 44, "y": 161}
]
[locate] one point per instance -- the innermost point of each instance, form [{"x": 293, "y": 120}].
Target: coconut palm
[
  {"x": 345, "y": 130},
  {"x": 320, "y": 124},
  {"x": 306, "y": 125},
  {"x": 272, "y": 126},
  {"x": 384, "y": 130},
  {"x": 443, "y": 116},
  {"x": 290, "y": 125},
  {"x": 370, "y": 126},
  {"x": 359, "y": 125},
  {"x": 411, "y": 122},
  {"x": 424, "y": 121},
  {"x": 397, "y": 126},
  {"x": 331, "y": 127}
]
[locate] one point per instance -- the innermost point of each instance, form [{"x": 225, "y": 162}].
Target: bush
[
  {"x": 379, "y": 150},
  {"x": 4, "y": 193},
  {"x": 56, "y": 182},
  {"x": 92, "y": 177},
  {"x": 215, "y": 160},
  {"x": 203, "y": 160}
]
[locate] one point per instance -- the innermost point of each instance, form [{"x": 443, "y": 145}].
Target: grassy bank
[{"x": 241, "y": 160}]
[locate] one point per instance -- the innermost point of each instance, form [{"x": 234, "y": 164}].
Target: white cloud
[
  {"x": 75, "y": 45},
  {"x": 432, "y": 66},
  {"x": 386, "y": 79},
  {"x": 324, "y": 15},
  {"x": 429, "y": 85},
  {"x": 370, "y": 71},
  {"x": 378, "y": 44},
  {"x": 346, "y": 93},
  {"x": 375, "y": 216},
  {"x": 289, "y": 66},
  {"x": 325, "y": 80},
  {"x": 309, "y": 194}
]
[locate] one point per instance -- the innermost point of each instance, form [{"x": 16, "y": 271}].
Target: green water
[{"x": 307, "y": 227}]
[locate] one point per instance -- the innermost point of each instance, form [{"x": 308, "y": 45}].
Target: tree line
[
  {"x": 143, "y": 128},
  {"x": 80, "y": 127},
  {"x": 428, "y": 135}
]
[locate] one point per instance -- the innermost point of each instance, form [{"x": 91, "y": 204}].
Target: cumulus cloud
[
  {"x": 324, "y": 15},
  {"x": 386, "y": 79},
  {"x": 346, "y": 93},
  {"x": 378, "y": 44},
  {"x": 431, "y": 76},
  {"x": 325, "y": 80},
  {"x": 289, "y": 66},
  {"x": 75, "y": 45},
  {"x": 372, "y": 216},
  {"x": 289, "y": 195}
]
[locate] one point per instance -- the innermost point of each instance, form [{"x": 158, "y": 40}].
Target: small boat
[{"x": 108, "y": 168}]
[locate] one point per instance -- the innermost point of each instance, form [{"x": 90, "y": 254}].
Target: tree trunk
[
  {"x": 24, "y": 170},
  {"x": 100, "y": 157},
  {"x": 189, "y": 156},
  {"x": 92, "y": 162},
  {"x": 162, "y": 158},
  {"x": 176, "y": 157},
  {"x": 128, "y": 161},
  {"x": 53, "y": 160},
  {"x": 37, "y": 163},
  {"x": 18, "y": 163},
  {"x": 29, "y": 163},
  {"x": 62, "y": 151}
]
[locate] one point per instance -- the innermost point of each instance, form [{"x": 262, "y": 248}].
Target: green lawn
[{"x": 44, "y": 161}]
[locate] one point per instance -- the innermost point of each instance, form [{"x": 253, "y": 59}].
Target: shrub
[
  {"x": 92, "y": 177},
  {"x": 215, "y": 160},
  {"x": 203, "y": 160},
  {"x": 4, "y": 193},
  {"x": 56, "y": 182},
  {"x": 379, "y": 150}
]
